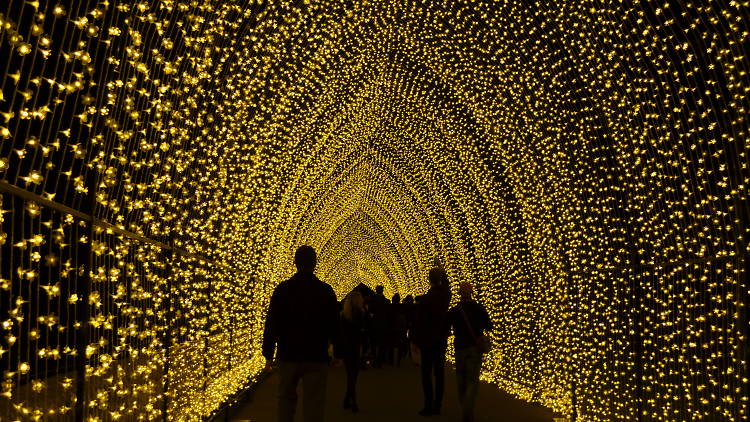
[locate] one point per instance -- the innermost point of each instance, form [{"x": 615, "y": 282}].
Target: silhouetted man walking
[
  {"x": 431, "y": 336},
  {"x": 379, "y": 309},
  {"x": 302, "y": 319}
]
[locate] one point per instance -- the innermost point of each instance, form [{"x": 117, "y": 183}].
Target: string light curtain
[{"x": 585, "y": 163}]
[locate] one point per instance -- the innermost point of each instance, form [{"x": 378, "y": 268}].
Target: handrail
[{"x": 111, "y": 228}]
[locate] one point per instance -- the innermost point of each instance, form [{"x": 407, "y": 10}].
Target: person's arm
[
  {"x": 270, "y": 331},
  {"x": 333, "y": 322},
  {"x": 450, "y": 320},
  {"x": 486, "y": 321},
  {"x": 332, "y": 314},
  {"x": 339, "y": 340},
  {"x": 439, "y": 303},
  {"x": 420, "y": 318}
]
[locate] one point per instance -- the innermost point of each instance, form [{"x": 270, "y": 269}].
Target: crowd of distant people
[{"x": 305, "y": 321}]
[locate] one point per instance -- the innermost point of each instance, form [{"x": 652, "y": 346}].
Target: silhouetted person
[
  {"x": 367, "y": 338},
  {"x": 431, "y": 336},
  {"x": 396, "y": 343},
  {"x": 302, "y": 319},
  {"x": 379, "y": 309},
  {"x": 468, "y": 356},
  {"x": 408, "y": 309},
  {"x": 349, "y": 344},
  {"x": 414, "y": 349}
]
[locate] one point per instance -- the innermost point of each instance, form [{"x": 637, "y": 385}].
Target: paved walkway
[{"x": 392, "y": 395}]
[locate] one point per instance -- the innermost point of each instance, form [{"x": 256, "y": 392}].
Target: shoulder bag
[{"x": 482, "y": 342}]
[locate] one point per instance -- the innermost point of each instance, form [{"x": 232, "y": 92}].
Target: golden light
[{"x": 585, "y": 164}]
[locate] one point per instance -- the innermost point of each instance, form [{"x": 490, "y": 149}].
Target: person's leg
[
  {"x": 351, "y": 364},
  {"x": 404, "y": 350},
  {"x": 397, "y": 351},
  {"x": 381, "y": 348},
  {"x": 314, "y": 381},
  {"x": 461, "y": 375},
  {"x": 375, "y": 348},
  {"x": 439, "y": 368},
  {"x": 353, "y": 382},
  {"x": 348, "y": 367},
  {"x": 289, "y": 376},
  {"x": 426, "y": 369},
  {"x": 473, "y": 369},
  {"x": 366, "y": 350}
]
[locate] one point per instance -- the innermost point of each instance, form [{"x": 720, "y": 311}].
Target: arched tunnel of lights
[{"x": 585, "y": 163}]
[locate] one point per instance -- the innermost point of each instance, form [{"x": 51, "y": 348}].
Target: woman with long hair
[{"x": 349, "y": 344}]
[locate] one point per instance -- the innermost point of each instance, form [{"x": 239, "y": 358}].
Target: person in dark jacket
[
  {"x": 368, "y": 355},
  {"x": 396, "y": 338},
  {"x": 302, "y": 320},
  {"x": 431, "y": 337},
  {"x": 468, "y": 357},
  {"x": 349, "y": 344}
]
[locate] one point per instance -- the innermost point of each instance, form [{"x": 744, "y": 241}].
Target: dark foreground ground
[{"x": 392, "y": 395}]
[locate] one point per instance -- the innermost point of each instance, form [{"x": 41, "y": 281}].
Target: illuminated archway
[{"x": 584, "y": 164}]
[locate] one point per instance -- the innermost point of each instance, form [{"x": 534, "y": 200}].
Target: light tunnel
[{"x": 583, "y": 163}]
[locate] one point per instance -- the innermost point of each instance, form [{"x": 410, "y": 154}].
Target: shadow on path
[{"x": 392, "y": 395}]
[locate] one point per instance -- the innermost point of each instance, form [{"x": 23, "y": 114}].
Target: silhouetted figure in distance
[
  {"x": 431, "y": 336},
  {"x": 302, "y": 320},
  {"x": 367, "y": 338},
  {"x": 396, "y": 331},
  {"x": 468, "y": 357},
  {"x": 349, "y": 344},
  {"x": 379, "y": 309},
  {"x": 407, "y": 309}
]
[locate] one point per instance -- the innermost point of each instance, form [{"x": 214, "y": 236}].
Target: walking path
[{"x": 392, "y": 395}]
